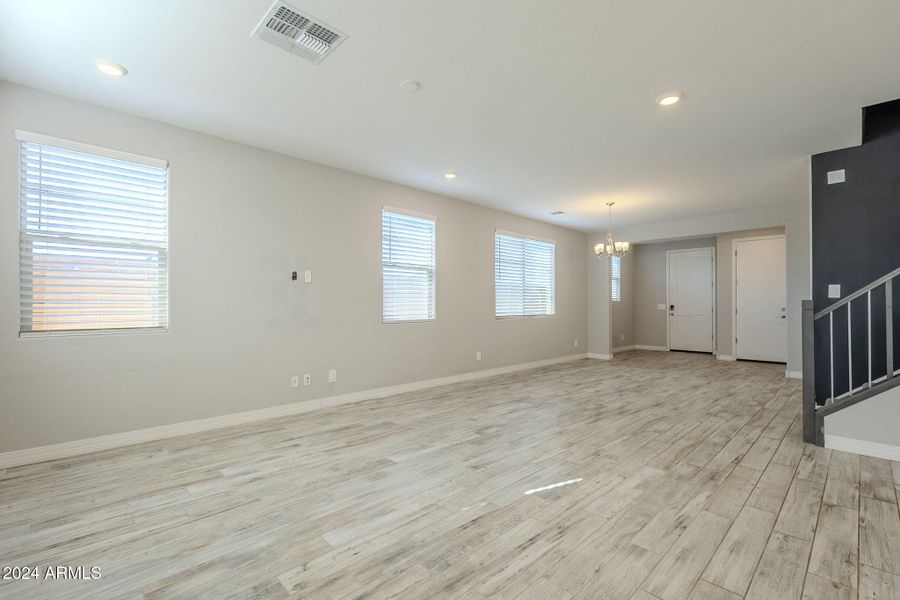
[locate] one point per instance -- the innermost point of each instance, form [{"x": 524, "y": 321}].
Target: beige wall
[
  {"x": 241, "y": 219},
  {"x": 623, "y": 311},
  {"x": 792, "y": 214},
  {"x": 871, "y": 422},
  {"x": 599, "y": 321},
  {"x": 649, "y": 289},
  {"x": 608, "y": 327},
  {"x": 797, "y": 225},
  {"x": 650, "y": 323},
  {"x": 725, "y": 284}
]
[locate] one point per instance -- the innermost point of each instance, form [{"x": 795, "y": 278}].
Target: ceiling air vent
[{"x": 298, "y": 33}]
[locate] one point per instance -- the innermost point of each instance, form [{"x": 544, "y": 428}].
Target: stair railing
[{"x": 814, "y": 413}]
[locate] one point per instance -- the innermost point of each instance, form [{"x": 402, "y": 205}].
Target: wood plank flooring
[{"x": 657, "y": 476}]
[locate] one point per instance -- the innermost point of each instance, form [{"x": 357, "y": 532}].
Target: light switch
[
  {"x": 837, "y": 176},
  {"x": 660, "y": 307},
  {"x": 834, "y": 290},
  {"x": 307, "y": 276}
]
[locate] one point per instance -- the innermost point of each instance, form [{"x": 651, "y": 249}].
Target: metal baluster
[
  {"x": 849, "y": 353},
  {"x": 831, "y": 352},
  {"x": 869, "y": 331},
  {"x": 889, "y": 326}
]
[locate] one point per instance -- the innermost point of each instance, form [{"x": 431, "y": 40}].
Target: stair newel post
[{"x": 809, "y": 373}]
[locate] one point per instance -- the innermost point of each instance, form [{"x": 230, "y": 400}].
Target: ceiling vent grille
[{"x": 298, "y": 33}]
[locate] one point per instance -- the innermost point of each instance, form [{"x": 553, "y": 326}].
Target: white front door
[
  {"x": 691, "y": 299},
  {"x": 760, "y": 325}
]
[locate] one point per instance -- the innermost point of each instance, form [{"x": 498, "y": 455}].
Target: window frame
[
  {"x": 30, "y": 137},
  {"x": 534, "y": 238},
  {"x": 434, "y": 269},
  {"x": 612, "y": 278}
]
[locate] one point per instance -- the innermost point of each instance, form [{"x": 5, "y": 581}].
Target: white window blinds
[
  {"x": 93, "y": 238},
  {"x": 615, "y": 276},
  {"x": 407, "y": 264},
  {"x": 524, "y": 276}
]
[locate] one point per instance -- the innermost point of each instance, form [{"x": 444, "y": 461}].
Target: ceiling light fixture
[
  {"x": 669, "y": 99},
  {"x": 450, "y": 175},
  {"x": 410, "y": 86},
  {"x": 110, "y": 68},
  {"x": 611, "y": 247}
]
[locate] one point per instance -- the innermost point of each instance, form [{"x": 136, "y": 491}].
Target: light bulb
[{"x": 110, "y": 69}]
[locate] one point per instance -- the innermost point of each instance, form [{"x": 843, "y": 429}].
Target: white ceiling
[{"x": 540, "y": 106}]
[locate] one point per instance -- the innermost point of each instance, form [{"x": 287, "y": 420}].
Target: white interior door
[
  {"x": 691, "y": 299},
  {"x": 760, "y": 299}
]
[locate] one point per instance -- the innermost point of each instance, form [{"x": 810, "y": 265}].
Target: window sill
[
  {"x": 516, "y": 317},
  {"x": 383, "y": 322},
  {"x": 91, "y": 332}
]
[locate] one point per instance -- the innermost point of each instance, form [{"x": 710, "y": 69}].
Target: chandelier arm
[{"x": 611, "y": 247}]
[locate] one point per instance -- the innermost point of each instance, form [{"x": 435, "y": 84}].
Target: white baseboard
[
  {"x": 600, "y": 356},
  {"x": 622, "y": 349},
  {"x": 657, "y": 348},
  {"x": 117, "y": 440},
  {"x": 793, "y": 374},
  {"x": 725, "y": 357},
  {"x": 874, "y": 449}
]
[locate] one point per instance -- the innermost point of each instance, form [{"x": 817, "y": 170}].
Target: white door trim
[
  {"x": 734, "y": 243},
  {"x": 712, "y": 253}
]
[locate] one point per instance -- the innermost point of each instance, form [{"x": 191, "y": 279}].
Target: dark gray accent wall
[{"x": 855, "y": 240}]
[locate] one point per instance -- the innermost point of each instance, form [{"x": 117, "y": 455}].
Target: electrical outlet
[
  {"x": 332, "y": 376},
  {"x": 576, "y": 343},
  {"x": 307, "y": 276},
  {"x": 307, "y": 379},
  {"x": 295, "y": 381},
  {"x": 478, "y": 355},
  {"x": 621, "y": 337}
]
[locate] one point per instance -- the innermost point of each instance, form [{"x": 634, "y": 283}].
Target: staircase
[{"x": 872, "y": 346}]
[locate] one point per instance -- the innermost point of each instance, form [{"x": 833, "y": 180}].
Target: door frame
[
  {"x": 712, "y": 253},
  {"x": 734, "y": 306}
]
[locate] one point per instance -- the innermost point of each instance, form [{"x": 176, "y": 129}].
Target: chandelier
[{"x": 611, "y": 247}]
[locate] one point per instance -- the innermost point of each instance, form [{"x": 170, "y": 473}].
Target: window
[
  {"x": 615, "y": 277},
  {"x": 93, "y": 238},
  {"x": 524, "y": 276},
  {"x": 407, "y": 266}
]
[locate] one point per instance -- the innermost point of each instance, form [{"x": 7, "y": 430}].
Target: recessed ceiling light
[
  {"x": 669, "y": 99},
  {"x": 110, "y": 68},
  {"x": 410, "y": 86},
  {"x": 450, "y": 175},
  {"x": 557, "y": 213}
]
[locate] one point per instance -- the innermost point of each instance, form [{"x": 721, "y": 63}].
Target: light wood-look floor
[{"x": 688, "y": 479}]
